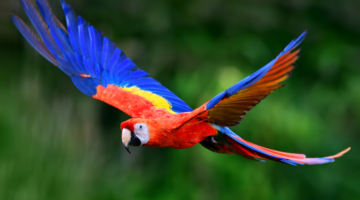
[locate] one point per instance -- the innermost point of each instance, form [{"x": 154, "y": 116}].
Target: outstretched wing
[
  {"x": 230, "y": 106},
  {"x": 96, "y": 66}
]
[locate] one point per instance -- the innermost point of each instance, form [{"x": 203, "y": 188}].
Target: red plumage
[{"x": 161, "y": 119}]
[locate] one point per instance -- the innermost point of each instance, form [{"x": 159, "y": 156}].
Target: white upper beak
[{"x": 126, "y": 137}]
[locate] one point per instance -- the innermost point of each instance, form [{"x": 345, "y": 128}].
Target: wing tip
[
  {"x": 12, "y": 16},
  {"x": 294, "y": 43},
  {"x": 66, "y": 7},
  {"x": 16, "y": 19}
]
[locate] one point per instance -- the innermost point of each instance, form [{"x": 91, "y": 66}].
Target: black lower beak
[
  {"x": 135, "y": 141},
  {"x": 127, "y": 149}
]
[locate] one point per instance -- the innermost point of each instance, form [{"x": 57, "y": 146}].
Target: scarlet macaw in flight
[{"x": 160, "y": 119}]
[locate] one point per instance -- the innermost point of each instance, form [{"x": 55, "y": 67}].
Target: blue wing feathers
[
  {"x": 294, "y": 43},
  {"x": 81, "y": 65},
  {"x": 33, "y": 40},
  {"x": 114, "y": 59},
  {"x": 82, "y": 50},
  {"x": 107, "y": 52},
  {"x": 65, "y": 36},
  {"x": 99, "y": 41},
  {"x": 106, "y": 78},
  {"x": 72, "y": 28},
  {"x": 250, "y": 80},
  {"x": 215, "y": 100},
  {"x": 51, "y": 20},
  {"x": 92, "y": 43},
  {"x": 64, "y": 65},
  {"x": 57, "y": 39},
  {"x": 144, "y": 82},
  {"x": 256, "y": 76},
  {"x": 85, "y": 85},
  {"x": 110, "y": 54},
  {"x": 65, "y": 71},
  {"x": 73, "y": 63},
  {"x": 85, "y": 51},
  {"x": 90, "y": 67},
  {"x": 134, "y": 75},
  {"x": 124, "y": 66},
  {"x": 104, "y": 51},
  {"x": 82, "y": 29},
  {"x": 98, "y": 70},
  {"x": 39, "y": 25}
]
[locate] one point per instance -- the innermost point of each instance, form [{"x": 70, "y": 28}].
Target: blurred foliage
[{"x": 56, "y": 143}]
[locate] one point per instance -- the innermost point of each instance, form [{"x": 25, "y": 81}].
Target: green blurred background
[{"x": 56, "y": 143}]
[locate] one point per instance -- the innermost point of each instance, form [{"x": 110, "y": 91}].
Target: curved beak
[
  {"x": 126, "y": 138},
  {"x": 129, "y": 138}
]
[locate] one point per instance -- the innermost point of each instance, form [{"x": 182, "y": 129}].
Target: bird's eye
[{"x": 140, "y": 126}]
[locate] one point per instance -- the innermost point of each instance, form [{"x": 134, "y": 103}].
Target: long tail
[
  {"x": 230, "y": 106},
  {"x": 228, "y": 142}
]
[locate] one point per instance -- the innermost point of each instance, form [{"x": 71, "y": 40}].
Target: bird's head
[{"x": 135, "y": 132}]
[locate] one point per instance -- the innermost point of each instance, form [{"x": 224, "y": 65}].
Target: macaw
[{"x": 160, "y": 119}]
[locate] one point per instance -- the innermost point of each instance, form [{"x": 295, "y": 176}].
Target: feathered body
[
  {"x": 160, "y": 119},
  {"x": 171, "y": 131}
]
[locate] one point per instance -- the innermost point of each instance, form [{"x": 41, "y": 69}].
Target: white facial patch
[{"x": 142, "y": 132}]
